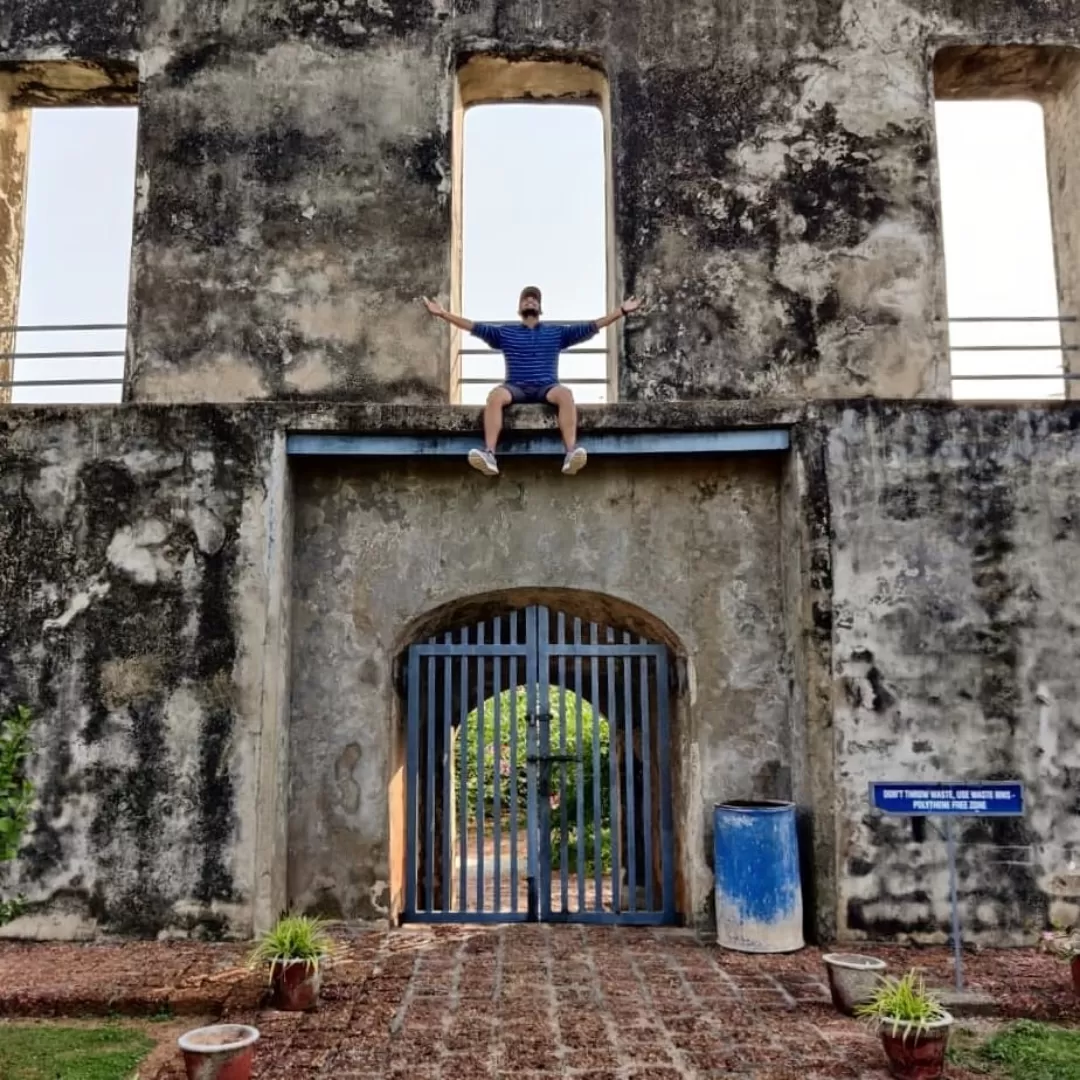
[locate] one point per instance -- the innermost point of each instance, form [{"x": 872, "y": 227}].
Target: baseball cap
[{"x": 530, "y": 290}]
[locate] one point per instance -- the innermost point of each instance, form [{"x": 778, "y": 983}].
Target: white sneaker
[
  {"x": 484, "y": 461},
  {"x": 574, "y": 461}
]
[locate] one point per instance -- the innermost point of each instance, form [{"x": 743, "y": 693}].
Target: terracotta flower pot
[
  {"x": 296, "y": 985},
  {"x": 219, "y": 1052},
  {"x": 1076, "y": 973},
  {"x": 918, "y": 1056}
]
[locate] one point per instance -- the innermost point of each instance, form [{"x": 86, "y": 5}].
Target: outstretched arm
[
  {"x": 440, "y": 312},
  {"x": 627, "y": 307}
]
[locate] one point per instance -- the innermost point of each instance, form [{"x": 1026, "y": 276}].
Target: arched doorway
[{"x": 537, "y": 772}]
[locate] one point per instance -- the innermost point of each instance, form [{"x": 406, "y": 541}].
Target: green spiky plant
[
  {"x": 902, "y": 1004},
  {"x": 16, "y": 791},
  {"x": 16, "y": 796},
  {"x": 292, "y": 938}
]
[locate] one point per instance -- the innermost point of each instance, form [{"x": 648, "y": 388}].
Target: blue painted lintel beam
[{"x": 540, "y": 443}]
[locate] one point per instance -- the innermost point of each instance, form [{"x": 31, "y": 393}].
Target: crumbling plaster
[
  {"x": 139, "y": 593},
  {"x": 956, "y": 536}
]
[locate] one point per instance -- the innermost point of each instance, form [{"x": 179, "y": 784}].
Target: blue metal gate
[{"x": 538, "y": 774}]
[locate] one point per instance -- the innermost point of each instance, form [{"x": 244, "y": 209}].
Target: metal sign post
[
  {"x": 950, "y": 800},
  {"x": 958, "y": 952}
]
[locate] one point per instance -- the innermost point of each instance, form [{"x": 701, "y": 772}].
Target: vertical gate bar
[
  {"x": 429, "y": 808},
  {"x": 563, "y": 834},
  {"x": 613, "y": 767},
  {"x": 481, "y": 686},
  {"x": 463, "y": 778},
  {"x": 447, "y": 775},
  {"x": 543, "y": 716},
  {"x": 496, "y": 771},
  {"x": 413, "y": 768},
  {"x": 598, "y": 865},
  {"x": 646, "y": 780},
  {"x": 579, "y": 751},
  {"x": 514, "y": 805},
  {"x": 667, "y": 831},
  {"x": 628, "y": 754},
  {"x": 531, "y": 835}
]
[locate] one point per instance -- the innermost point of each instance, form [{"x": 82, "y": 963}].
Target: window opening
[
  {"x": 76, "y": 255},
  {"x": 1005, "y": 326},
  {"x": 534, "y": 212}
]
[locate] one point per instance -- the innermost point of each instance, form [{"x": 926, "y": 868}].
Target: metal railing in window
[
  {"x": 572, "y": 381},
  {"x": 1038, "y": 349},
  {"x": 22, "y": 357}
]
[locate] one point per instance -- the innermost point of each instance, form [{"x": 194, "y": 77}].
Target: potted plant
[
  {"x": 295, "y": 949},
  {"x": 219, "y": 1052},
  {"x": 914, "y": 1026},
  {"x": 852, "y": 979},
  {"x": 1064, "y": 943}
]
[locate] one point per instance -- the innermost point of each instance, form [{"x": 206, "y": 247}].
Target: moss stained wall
[
  {"x": 132, "y": 591},
  {"x": 928, "y": 618},
  {"x": 956, "y": 541}
]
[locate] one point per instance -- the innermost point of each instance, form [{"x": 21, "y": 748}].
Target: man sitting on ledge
[{"x": 531, "y": 351}]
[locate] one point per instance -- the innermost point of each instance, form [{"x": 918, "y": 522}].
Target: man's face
[{"x": 529, "y": 307}]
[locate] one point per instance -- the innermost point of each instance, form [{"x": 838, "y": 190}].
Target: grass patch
[
  {"x": 47, "y": 1052},
  {"x": 1022, "y": 1051}
]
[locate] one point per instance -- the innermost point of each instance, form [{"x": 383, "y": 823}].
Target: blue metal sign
[
  {"x": 991, "y": 798},
  {"x": 956, "y": 799}
]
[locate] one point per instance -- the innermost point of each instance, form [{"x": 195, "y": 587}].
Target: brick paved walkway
[
  {"x": 535, "y": 1003},
  {"x": 527, "y": 1002}
]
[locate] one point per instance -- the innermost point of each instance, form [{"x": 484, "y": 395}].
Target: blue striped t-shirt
[{"x": 532, "y": 354}]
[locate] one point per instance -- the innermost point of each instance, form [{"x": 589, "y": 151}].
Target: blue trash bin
[{"x": 759, "y": 905}]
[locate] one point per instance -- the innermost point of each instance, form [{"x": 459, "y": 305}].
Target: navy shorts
[{"x": 529, "y": 394}]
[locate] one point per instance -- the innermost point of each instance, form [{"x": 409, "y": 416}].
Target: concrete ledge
[
  {"x": 963, "y": 1003},
  {"x": 356, "y": 417},
  {"x": 347, "y": 417},
  {"x": 525, "y": 444}
]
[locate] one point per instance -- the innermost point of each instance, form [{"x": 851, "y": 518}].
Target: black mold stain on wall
[
  {"x": 327, "y": 209},
  {"x": 830, "y": 192},
  {"x": 159, "y": 829},
  {"x": 1029, "y": 19},
  {"x": 969, "y": 604},
  {"x": 93, "y": 29},
  {"x": 215, "y": 654}
]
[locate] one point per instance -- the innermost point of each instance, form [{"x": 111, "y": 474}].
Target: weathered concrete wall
[
  {"x": 956, "y": 541},
  {"x": 139, "y": 554},
  {"x": 1063, "y": 172},
  {"x": 774, "y": 195},
  {"x": 806, "y": 565},
  {"x": 696, "y": 545},
  {"x": 893, "y": 599}
]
